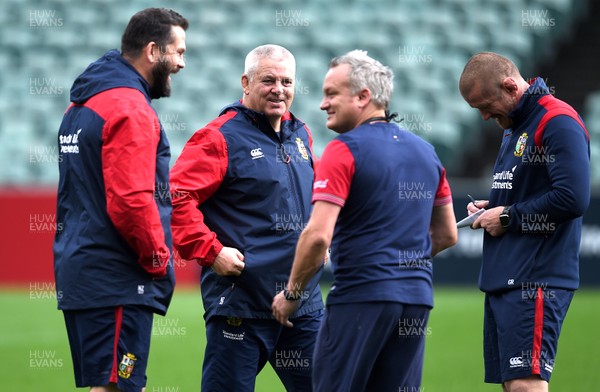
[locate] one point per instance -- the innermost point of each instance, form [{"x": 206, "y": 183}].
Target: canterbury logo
[
  {"x": 256, "y": 153},
  {"x": 516, "y": 361}
]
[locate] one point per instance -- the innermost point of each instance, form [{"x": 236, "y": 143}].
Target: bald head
[
  {"x": 487, "y": 70},
  {"x": 493, "y": 85}
]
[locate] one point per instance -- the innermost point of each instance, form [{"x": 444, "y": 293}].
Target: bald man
[{"x": 532, "y": 223}]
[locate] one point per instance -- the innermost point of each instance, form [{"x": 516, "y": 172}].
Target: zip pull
[{"x": 284, "y": 155}]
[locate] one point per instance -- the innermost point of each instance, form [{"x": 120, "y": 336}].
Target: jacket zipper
[{"x": 287, "y": 160}]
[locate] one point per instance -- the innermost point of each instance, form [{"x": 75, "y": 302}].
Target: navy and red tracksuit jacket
[
  {"x": 114, "y": 246},
  {"x": 238, "y": 183},
  {"x": 387, "y": 181},
  {"x": 543, "y": 172}
]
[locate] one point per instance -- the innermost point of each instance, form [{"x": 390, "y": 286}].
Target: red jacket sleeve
[
  {"x": 196, "y": 175},
  {"x": 130, "y": 138}
]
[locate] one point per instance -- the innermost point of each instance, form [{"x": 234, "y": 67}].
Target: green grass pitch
[{"x": 35, "y": 355}]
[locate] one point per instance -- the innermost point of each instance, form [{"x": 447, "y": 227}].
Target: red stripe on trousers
[
  {"x": 118, "y": 322},
  {"x": 537, "y": 332}
]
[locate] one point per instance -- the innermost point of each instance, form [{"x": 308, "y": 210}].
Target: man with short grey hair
[
  {"x": 385, "y": 193},
  {"x": 241, "y": 195}
]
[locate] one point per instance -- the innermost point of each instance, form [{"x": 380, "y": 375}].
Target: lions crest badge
[
  {"x": 126, "y": 365},
  {"x": 302, "y": 148},
  {"x": 520, "y": 146}
]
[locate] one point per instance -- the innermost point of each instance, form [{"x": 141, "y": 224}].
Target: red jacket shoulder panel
[{"x": 555, "y": 107}]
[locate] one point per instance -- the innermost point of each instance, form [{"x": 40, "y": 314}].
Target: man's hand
[
  {"x": 229, "y": 262},
  {"x": 476, "y": 206},
  {"x": 282, "y": 309},
  {"x": 490, "y": 221}
]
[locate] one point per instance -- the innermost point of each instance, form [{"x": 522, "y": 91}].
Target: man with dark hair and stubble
[
  {"x": 532, "y": 222},
  {"x": 112, "y": 258}
]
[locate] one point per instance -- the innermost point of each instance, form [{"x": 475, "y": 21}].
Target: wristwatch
[
  {"x": 289, "y": 296},
  {"x": 505, "y": 217}
]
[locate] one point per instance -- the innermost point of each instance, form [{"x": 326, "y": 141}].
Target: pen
[{"x": 472, "y": 200}]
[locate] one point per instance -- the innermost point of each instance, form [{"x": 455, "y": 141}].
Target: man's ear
[
  {"x": 364, "y": 96},
  {"x": 151, "y": 52},
  {"x": 510, "y": 85},
  {"x": 245, "y": 84}
]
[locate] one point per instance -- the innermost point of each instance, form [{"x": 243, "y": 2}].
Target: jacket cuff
[
  {"x": 213, "y": 252},
  {"x": 514, "y": 224}
]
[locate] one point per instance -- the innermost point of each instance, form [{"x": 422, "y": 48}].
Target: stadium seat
[{"x": 440, "y": 36}]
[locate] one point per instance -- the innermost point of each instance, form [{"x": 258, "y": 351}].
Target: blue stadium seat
[{"x": 439, "y": 35}]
